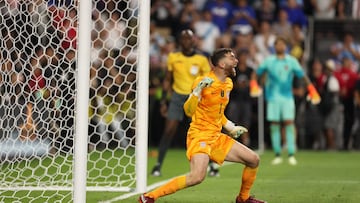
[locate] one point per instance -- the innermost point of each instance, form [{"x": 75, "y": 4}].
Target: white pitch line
[
  {"x": 150, "y": 187},
  {"x": 127, "y": 195},
  {"x": 155, "y": 185}
]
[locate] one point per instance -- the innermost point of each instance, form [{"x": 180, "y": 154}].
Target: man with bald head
[{"x": 183, "y": 66}]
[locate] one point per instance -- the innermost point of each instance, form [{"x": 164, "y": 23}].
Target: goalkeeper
[
  {"x": 280, "y": 70},
  {"x": 205, "y": 141}
]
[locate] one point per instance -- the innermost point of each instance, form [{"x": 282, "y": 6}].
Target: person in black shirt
[{"x": 239, "y": 108}]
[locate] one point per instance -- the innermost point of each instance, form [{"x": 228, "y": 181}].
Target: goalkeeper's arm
[
  {"x": 193, "y": 100},
  {"x": 190, "y": 105},
  {"x": 233, "y": 130}
]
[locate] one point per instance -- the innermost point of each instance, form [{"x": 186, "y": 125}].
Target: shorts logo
[{"x": 202, "y": 144}]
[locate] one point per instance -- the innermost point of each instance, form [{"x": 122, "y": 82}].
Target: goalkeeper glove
[
  {"x": 313, "y": 95},
  {"x": 255, "y": 89},
  {"x": 234, "y": 131},
  {"x": 205, "y": 82},
  {"x": 237, "y": 131}
]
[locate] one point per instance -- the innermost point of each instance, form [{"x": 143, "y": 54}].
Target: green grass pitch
[{"x": 319, "y": 177}]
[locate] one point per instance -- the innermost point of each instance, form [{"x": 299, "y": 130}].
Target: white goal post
[
  {"x": 74, "y": 98},
  {"x": 82, "y": 102}
]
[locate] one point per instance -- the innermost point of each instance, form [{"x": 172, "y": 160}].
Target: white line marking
[
  {"x": 155, "y": 185},
  {"x": 127, "y": 195},
  {"x": 150, "y": 187}
]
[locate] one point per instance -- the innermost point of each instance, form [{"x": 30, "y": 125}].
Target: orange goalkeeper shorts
[{"x": 216, "y": 147}]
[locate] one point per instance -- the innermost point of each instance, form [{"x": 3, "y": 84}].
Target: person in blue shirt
[
  {"x": 295, "y": 13},
  {"x": 278, "y": 72},
  {"x": 221, "y": 12},
  {"x": 243, "y": 15}
]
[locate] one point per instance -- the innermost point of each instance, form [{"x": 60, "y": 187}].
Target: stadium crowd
[
  {"x": 250, "y": 27},
  {"x": 39, "y": 40}
]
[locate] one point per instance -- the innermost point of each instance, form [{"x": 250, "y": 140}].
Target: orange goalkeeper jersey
[{"x": 208, "y": 119}]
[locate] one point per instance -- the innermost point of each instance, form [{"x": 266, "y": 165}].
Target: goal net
[{"x": 38, "y": 84}]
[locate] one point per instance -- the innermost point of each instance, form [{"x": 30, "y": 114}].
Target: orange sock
[
  {"x": 248, "y": 178},
  {"x": 172, "y": 186}
]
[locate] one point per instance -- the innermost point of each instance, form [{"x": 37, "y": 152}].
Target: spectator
[
  {"x": 243, "y": 39},
  {"x": 328, "y": 87},
  {"x": 295, "y": 13},
  {"x": 347, "y": 48},
  {"x": 324, "y": 9},
  {"x": 66, "y": 3},
  {"x": 68, "y": 30},
  {"x": 356, "y": 9},
  {"x": 239, "y": 109},
  {"x": 157, "y": 42},
  {"x": 200, "y": 4},
  {"x": 254, "y": 57},
  {"x": 243, "y": 17},
  {"x": 313, "y": 117},
  {"x": 344, "y": 9},
  {"x": 113, "y": 33},
  {"x": 282, "y": 27},
  {"x": 207, "y": 32},
  {"x": 186, "y": 17},
  {"x": 107, "y": 116},
  {"x": 64, "y": 21},
  {"x": 286, "y": 2},
  {"x": 297, "y": 42},
  {"x": 265, "y": 10},
  {"x": 42, "y": 102},
  {"x": 221, "y": 12},
  {"x": 157, "y": 74},
  {"x": 264, "y": 39},
  {"x": 12, "y": 93},
  {"x": 163, "y": 13},
  {"x": 356, "y": 129},
  {"x": 347, "y": 79}
]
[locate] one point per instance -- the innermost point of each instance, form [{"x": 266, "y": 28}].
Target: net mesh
[{"x": 38, "y": 92}]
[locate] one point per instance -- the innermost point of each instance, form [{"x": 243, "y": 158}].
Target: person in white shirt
[
  {"x": 207, "y": 32},
  {"x": 264, "y": 39},
  {"x": 324, "y": 9}
]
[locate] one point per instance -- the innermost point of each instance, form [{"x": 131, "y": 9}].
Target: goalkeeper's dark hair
[{"x": 218, "y": 55}]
